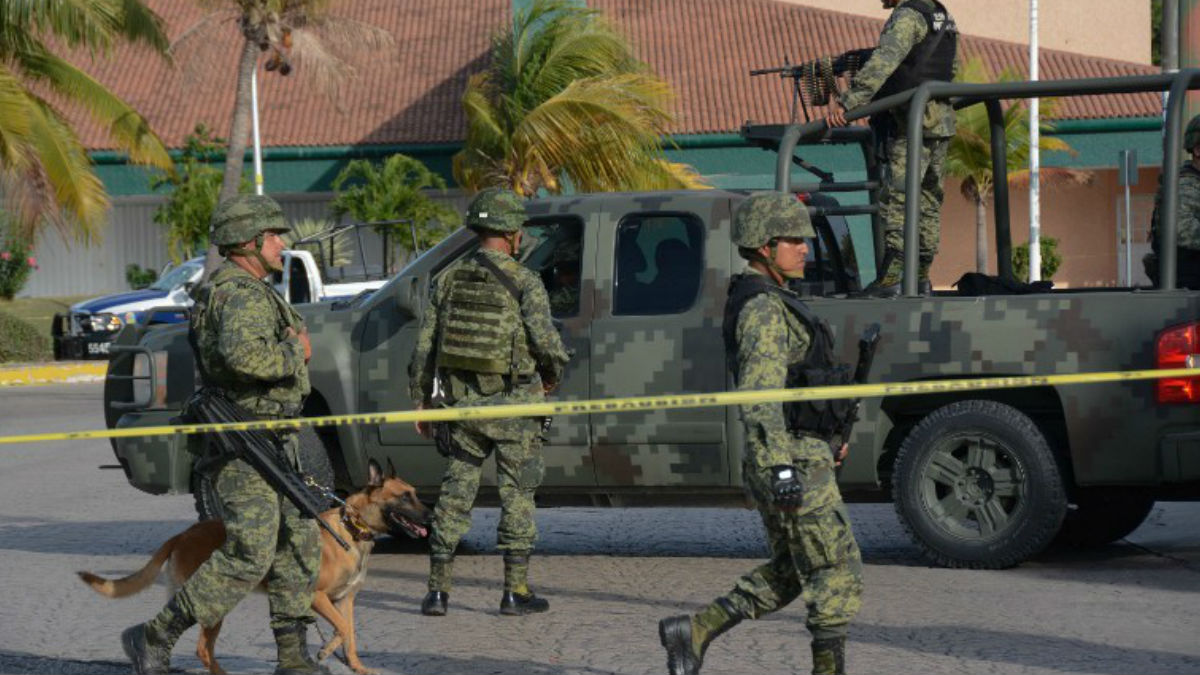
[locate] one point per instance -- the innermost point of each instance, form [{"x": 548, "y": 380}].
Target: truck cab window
[
  {"x": 553, "y": 249},
  {"x": 659, "y": 264}
]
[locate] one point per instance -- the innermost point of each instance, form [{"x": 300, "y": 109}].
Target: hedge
[{"x": 20, "y": 341}]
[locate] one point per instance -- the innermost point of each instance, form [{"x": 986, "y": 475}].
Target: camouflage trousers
[
  {"x": 265, "y": 538},
  {"x": 813, "y": 557},
  {"x": 892, "y": 194},
  {"x": 519, "y": 470}
]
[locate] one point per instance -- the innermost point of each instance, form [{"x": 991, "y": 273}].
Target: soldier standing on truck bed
[
  {"x": 918, "y": 44},
  {"x": 788, "y": 465},
  {"x": 486, "y": 338},
  {"x": 1187, "y": 237},
  {"x": 254, "y": 346}
]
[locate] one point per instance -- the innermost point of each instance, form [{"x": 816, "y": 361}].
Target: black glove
[{"x": 786, "y": 487}]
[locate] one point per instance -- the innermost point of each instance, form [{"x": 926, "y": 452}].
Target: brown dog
[{"x": 386, "y": 504}]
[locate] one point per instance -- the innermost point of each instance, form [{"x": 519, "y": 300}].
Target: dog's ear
[
  {"x": 391, "y": 469},
  {"x": 374, "y": 477}
]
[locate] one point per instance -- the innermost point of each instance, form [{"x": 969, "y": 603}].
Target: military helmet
[
  {"x": 1191, "y": 135},
  {"x": 496, "y": 210},
  {"x": 244, "y": 217},
  {"x": 767, "y": 215}
]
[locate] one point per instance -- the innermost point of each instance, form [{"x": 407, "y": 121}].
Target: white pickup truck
[{"x": 87, "y": 329}]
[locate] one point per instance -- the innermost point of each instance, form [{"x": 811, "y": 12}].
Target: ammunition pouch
[
  {"x": 443, "y": 439},
  {"x": 822, "y": 419}
]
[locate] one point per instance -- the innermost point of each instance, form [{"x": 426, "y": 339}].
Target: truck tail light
[{"x": 1178, "y": 347}]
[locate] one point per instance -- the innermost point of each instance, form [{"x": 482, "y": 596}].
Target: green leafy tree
[
  {"x": 969, "y": 157},
  {"x": 1156, "y": 32},
  {"x": 1051, "y": 259},
  {"x": 396, "y": 190},
  {"x": 194, "y": 186},
  {"x": 332, "y": 250},
  {"x": 564, "y": 98},
  {"x": 299, "y": 35},
  {"x": 46, "y": 176}
]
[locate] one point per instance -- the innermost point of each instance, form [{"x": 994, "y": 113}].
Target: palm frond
[
  {"x": 125, "y": 125},
  {"x": 68, "y": 175}
]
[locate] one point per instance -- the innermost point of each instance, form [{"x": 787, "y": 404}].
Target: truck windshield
[{"x": 176, "y": 277}]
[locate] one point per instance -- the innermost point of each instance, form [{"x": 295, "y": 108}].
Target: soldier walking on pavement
[
  {"x": 788, "y": 465},
  {"x": 1187, "y": 235},
  {"x": 250, "y": 343},
  {"x": 486, "y": 338},
  {"x": 918, "y": 44}
]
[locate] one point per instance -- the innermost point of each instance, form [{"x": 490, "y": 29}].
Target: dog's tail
[{"x": 136, "y": 582}]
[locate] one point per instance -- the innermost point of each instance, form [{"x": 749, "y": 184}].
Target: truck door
[{"x": 661, "y": 285}]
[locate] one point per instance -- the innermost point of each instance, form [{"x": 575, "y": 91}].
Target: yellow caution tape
[{"x": 627, "y": 404}]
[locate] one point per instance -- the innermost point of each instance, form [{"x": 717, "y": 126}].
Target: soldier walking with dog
[
  {"x": 486, "y": 338},
  {"x": 787, "y": 464},
  {"x": 252, "y": 345},
  {"x": 918, "y": 44}
]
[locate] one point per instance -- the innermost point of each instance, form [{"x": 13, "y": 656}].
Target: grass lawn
[{"x": 40, "y": 311}]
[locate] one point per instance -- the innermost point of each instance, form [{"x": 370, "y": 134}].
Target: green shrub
[
  {"x": 15, "y": 266},
  {"x": 139, "y": 277},
  {"x": 20, "y": 341},
  {"x": 1050, "y": 259}
]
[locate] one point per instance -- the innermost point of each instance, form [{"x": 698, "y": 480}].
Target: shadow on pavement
[{"x": 1024, "y": 649}]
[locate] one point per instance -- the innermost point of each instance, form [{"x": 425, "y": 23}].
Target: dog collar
[{"x": 354, "y": 524}]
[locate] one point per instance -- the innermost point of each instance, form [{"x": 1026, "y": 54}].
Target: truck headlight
[{"x": 106, "y": 323}]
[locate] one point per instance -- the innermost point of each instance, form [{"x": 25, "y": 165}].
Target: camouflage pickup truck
[{"x": 638, "y": 282}]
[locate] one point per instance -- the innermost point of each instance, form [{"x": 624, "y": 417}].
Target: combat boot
[
  {"x": 518, "y": 600},
  {"x": 291, "y": 644},
  {"x": 148, "y": 645},
  {"x": 441, "y": 569},
  {"x": 829, "y": 656},
  {"x": 686, "y": 638},
  {"x": 888, "y": 284}
]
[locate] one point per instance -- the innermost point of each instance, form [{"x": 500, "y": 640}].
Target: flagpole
[{"x": 1035, "y": 214}]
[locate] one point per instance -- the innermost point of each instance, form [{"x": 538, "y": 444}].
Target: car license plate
[{"x": 98, "y": 347}]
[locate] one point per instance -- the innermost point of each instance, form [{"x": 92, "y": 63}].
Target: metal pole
[
  {"x": 1035, "y": 214},
  {"x": 258, "y": 176},
  {"x": 1128, "y": 235}
]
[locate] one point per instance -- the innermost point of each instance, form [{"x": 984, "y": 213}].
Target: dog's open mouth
[{"x": 406, "y": 525}]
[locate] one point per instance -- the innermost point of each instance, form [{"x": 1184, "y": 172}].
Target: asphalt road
[{"x": 610, "y": 574}]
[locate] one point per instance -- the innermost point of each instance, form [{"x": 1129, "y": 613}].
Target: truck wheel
[
  {"x": 204, "y": 493},
  {"x": 313, "y": 457},
  {"x": 976, "y": 485},
  {"x": 1102, "y": 517}
]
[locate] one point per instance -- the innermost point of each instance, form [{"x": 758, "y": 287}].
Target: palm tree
[
  {"x": 969, "y": 156},
  {"x": 564, "y": 98},
  {"x": 45, "y": 174},
  {"x": 299, "y": 34}
]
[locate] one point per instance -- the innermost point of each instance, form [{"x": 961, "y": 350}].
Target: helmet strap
[{"x": 254, "y": 253}]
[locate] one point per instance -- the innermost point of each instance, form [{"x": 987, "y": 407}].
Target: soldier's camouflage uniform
[
  {"x": 813, "y": 552},
  {"x": 904, "y": 30},
  {"x": 240, "y": 333},
  {"x": 245, "y": 338},
  {"x": 515, "y": 442},
  {"x": 1187, "y": 229}
]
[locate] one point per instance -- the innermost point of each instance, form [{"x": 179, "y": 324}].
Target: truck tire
[
  {"x": 313, "y": 458},
  {"x": 977, "y": 486},
  {"x": 1103, "y": 516}
]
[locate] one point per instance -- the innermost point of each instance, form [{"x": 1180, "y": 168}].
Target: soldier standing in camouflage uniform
[
  {"x": 486, "y": 338},
  {"x": 790, "y": 475},
  {"x": 1187, "y": 236},
  {"x": 918, "y": 44},
  {"x": 254, "y": 346}
]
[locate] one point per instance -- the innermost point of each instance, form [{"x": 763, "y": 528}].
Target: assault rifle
[
  {"x": 866, "y": 355},
  {"x": 260, "y": 449},
  {"x": 817, "y": 79}
]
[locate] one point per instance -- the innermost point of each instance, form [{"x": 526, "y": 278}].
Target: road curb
[{"x": 19, "y": 375}]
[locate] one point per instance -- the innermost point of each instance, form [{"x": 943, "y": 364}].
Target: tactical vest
[
  {"x": 481, "y": 328},
  {"x": 930, "y": 59},
  {"x": 818, "y": 369}
]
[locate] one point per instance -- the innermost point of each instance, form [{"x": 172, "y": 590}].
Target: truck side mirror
[{"x": 408, "y": 295}]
